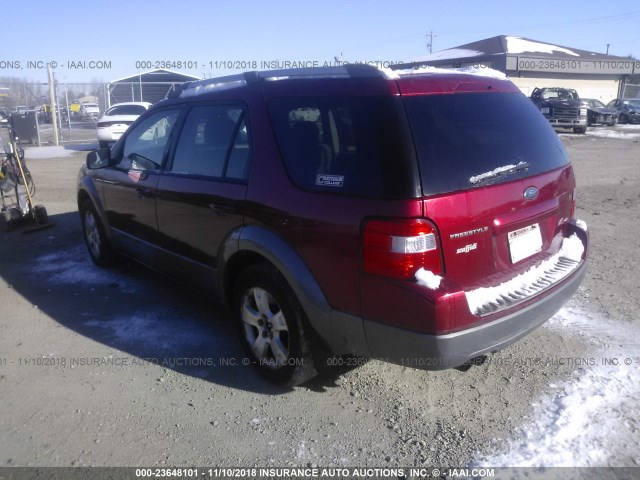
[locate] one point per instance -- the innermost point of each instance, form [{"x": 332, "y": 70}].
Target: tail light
[{"x": 398, "y": 248}]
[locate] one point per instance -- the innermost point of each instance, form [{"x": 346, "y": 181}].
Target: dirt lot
[{"x": 124, "y": 368}]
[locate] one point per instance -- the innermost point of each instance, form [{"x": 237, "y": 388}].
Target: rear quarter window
[
  {"x": 346, "y": 145},
  {"x": 466, "y": 136}
]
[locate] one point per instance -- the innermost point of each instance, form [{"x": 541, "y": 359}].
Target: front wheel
[
  {"x": 41, "y": 214},
  {"x": 273, "y": 327},
  {"x": 623, "y": 119},
  {"x": 579, "y": 129},
  {"x": 6, "y": 222},
  {"x": 94, "y": 235}
]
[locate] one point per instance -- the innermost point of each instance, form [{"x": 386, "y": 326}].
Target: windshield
[
  {"x": 559, "y": 94},
  {"x": 468, "y": 140},
  {"x": 595, "y": 103},
  {"x": 634, "y": 103}
]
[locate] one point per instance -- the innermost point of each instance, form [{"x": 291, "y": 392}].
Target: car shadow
[{"x": 150, "y": 318}]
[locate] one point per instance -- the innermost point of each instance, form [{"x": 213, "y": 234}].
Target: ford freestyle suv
[{"x": 348, "y": 211}]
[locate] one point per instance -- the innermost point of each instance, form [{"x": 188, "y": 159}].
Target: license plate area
[{"x": 524, "y": 242}]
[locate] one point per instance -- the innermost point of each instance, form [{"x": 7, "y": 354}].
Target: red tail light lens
[{"x": 398, "y": 248}]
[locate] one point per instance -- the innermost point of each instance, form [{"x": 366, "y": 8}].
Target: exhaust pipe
[{"x": 474, "y": 362}]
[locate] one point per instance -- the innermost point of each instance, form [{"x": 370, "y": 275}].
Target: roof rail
[{"x": 234, "y": 81}]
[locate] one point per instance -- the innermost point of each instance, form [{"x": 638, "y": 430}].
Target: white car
[
  {"x": 117, "y": 119},
  {"x": 89, "y": 110}
]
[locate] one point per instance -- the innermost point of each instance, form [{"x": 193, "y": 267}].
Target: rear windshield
[
  {"x": 469, "y": 140},
  {"x": 126, "y": 110},
  {"x": 357, "y": 146}
]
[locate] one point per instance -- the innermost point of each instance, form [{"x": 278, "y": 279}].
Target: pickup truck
[{"x": 562, "y": 107}]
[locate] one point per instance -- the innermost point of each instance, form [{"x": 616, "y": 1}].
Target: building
[
  {"x": 531, "y": 63},
  {"x": 150, "y": 86}
]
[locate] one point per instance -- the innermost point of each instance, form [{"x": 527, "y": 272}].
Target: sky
[{"x": 106, "y": 40}]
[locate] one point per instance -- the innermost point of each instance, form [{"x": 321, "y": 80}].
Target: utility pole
[
  {"x": 52, "y": 99},
  {"x": 430, "y": 36}
]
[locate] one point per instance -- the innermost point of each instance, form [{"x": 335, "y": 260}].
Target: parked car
[
  {"x": 562, "y": 107},
  {"x": 628, "y": 109},
  {"x": 90, "y": 111},
  {"x": 348, "y": 210},
  {"x": 117, "y": 119},
  {"x": 597, "y": 113}
]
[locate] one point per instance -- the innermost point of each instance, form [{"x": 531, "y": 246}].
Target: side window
[
  {"x": 145, "y": 145},
  {"x": 345, "y": 145},
  {"x": 214, "y": 143}
]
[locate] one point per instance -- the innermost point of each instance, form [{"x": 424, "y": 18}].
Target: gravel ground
[{"x": 122, "y": 368}]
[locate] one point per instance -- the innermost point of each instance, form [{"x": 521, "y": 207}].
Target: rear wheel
[
  {"x": 94, "y": 236},
  {"x": 273, "y": 327},
  {"x": 579, "y": 129}
]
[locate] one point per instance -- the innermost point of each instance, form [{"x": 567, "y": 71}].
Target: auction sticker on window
[{"x": 524, "y": 242}]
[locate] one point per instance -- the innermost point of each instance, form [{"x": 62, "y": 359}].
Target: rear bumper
[{"x": 439, "y": 352}]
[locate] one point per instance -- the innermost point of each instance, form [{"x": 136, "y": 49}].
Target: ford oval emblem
[{"x": 530, "y": 193}]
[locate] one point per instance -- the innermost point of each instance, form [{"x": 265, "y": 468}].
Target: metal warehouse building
[
  {"x": 150, "y": 86},
  {"x": 530, "y": 63}
]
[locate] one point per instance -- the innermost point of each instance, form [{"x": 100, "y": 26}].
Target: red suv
[{"x": 423, "y": 218}]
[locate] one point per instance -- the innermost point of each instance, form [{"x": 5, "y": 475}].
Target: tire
[
  {"x": 273, "y": 327},
  {"x": 579, "y": 129},
  {"x": 6, "y": 222},
  {"x": 94, "y": 236},
  {"x": 41, "y": 214},
  {"x": 623, "y": 119}
]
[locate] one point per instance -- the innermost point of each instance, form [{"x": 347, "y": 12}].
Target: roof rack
[{"x": 234, "y": 81}]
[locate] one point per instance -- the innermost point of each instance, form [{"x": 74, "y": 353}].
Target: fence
[{"x": 29, "y": 104}]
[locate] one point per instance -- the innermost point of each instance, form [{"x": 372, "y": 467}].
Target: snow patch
[
  {"x": 606, "y": 133},
  {"x": 591, "y": 420},
  {"x": 494, "y": 172},
  {"x": 471, "y": 70},
  {"x": 72, "y": 267},
  {"x": 581, "y": 224},
  {"x": 520, "y": 45},
  {"x": 428, "y": 279},
  {"x": 450, "y": 53},
  {"x": 152, "y": 329},
  {"x": 572, "y": 249}
]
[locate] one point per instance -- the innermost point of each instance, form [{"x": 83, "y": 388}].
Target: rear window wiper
[{"x": 489, "y": 177}]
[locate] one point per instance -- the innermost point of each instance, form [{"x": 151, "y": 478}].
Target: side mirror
[{"x": 98, "y": 159}]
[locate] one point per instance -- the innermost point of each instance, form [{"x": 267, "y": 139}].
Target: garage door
[{"x": 603, "y": 90}]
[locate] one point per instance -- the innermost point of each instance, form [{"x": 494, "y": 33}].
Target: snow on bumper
[{"x": 487, "y": 300}]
